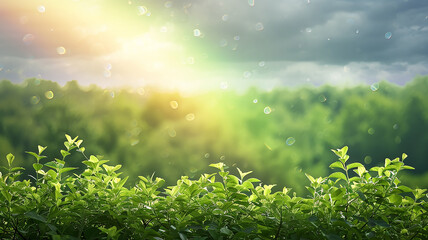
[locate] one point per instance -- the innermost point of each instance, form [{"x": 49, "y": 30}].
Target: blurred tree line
[{"x": 279, "y": 134}]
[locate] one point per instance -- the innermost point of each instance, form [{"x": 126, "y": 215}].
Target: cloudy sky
[{"x": 211, "y": 44}]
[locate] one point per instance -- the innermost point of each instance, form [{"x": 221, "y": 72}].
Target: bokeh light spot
[
  {"x": 196, "y": 32},
  {"x": 28, "y": 39},
  {"x": 267, "y": 110},
  {"x": 374, "y": 87},
  {"x": 371, "y": 131},
  {"x": 35, "y": 100},
  {"x": 388, "y": 35},
  {"x": 41, "y": 9},
  {"x": 367, "y": 159},
  {"x": 190, "y": 117},
  {"x": 173, "y": 104},
  {"x": 259, "y": 26},
  {"x": 49, "y": 94},
  {"x": 142, "y": 10},
  {"x": 290, "y": 141},
  {"x": 61, "y": 50}
]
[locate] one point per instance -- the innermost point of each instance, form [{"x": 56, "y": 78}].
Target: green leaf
[
  {"x": 387, "y": 162},
  {"x": 37, "y": 166},
  {"x": 35, "y": 216},
  {"x": 78, "y": 143},
  {"x": 52, "y": 165},
  {"x": 408, "y": 167},
  {"x": 252, "y": 180},
  {"x": 404, "y": 156},
  {"x": 6, "y": 194},
  {"x": 338, "y": 175},
  {"x": 354, "y": 165},
  {"x": 337, "y": 164},
  {"x": 64, "y": 153},
  {"x": 16, "y": 169},
  {"x": 243, "y": 174},
  {"x": 219, "y": 166},
  {"x": 395, "y": 199},
  {"x": 226, "y": 231},
  {"x": 41, "y": 149},
  {"x": 10, "y": 157},
  {"x": 51, "y": 173},
  {"x": 338, "y": 193},
  {"x": 405, "y": 188},
  {"x": 93, "y": 159},
  {"x": 310, "y": 178},
  {"x": 63, "y": 170},
  {"x": 360, "y": 170}
]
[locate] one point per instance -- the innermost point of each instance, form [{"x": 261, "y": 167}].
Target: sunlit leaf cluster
[{"x": 351, "y": 203}]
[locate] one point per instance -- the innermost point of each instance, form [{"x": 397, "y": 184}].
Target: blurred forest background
[{"x": 279, "y": 135}]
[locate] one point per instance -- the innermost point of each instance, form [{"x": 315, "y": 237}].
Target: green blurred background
[{"x": 279, "y": 135}]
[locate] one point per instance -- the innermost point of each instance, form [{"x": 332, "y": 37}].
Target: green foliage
[
  {"x": 147, "y": 130},
  {"x": 95, "y": 204}
]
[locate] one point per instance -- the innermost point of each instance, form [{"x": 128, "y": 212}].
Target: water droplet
[
  {"x": 163, "y": 29},
  {"x": 171, "y": 132},
  {"x": 308, "y": 30},
  {"x": 61, "y": 50},
  {"x": 49, "y": 94},
  {"x": 28, "y": 39},
  {"x": 141, "y": 10},
  {"x": 255, "y": 100},
  {"x": 225, "y": 17},
  {"x": 108, "y": 66},
  {"x": 262, "y": 64},
  {"x": 371, "y": 131},
  {"x": 259, "y": 26},
  {"x": 223, "y": 85},
  {"x": 388, "y": 35},
  {"x": 247, "y": 74},
  {"x": 196, "y": 32},
  {"x": 190, "y": 117},
  {"x": 168, "y": 4},
  {"x": 41, "y": 9},
  {"x": 112, "y": 94},
  {"x": 223, "y": 43},
  {"x": 328, "y": 39},
  {"x": 367, "y": 159},
  {"x": 322, "y": 98},
  {"x": 374, "y": 87},
  {"x": 357, "y": 31},
  {"x": 207, "y": 155},
  {"x": 173, "y": 104},
  {"x": 395, "y": 127},
  {"x": 35, "y": 100},
  {"x": 251, "y": 3},
  {"x": 290, "y": 141},
  {"x": 236, "y": 38},
  {"x": 267, "y": 110},
  {"x": 222, "y": 158}
]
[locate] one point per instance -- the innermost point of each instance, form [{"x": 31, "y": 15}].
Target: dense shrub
[{"x": 351, "y": 203}]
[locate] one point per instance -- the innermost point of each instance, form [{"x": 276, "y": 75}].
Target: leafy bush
[{"x": 351, "y": 203}]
